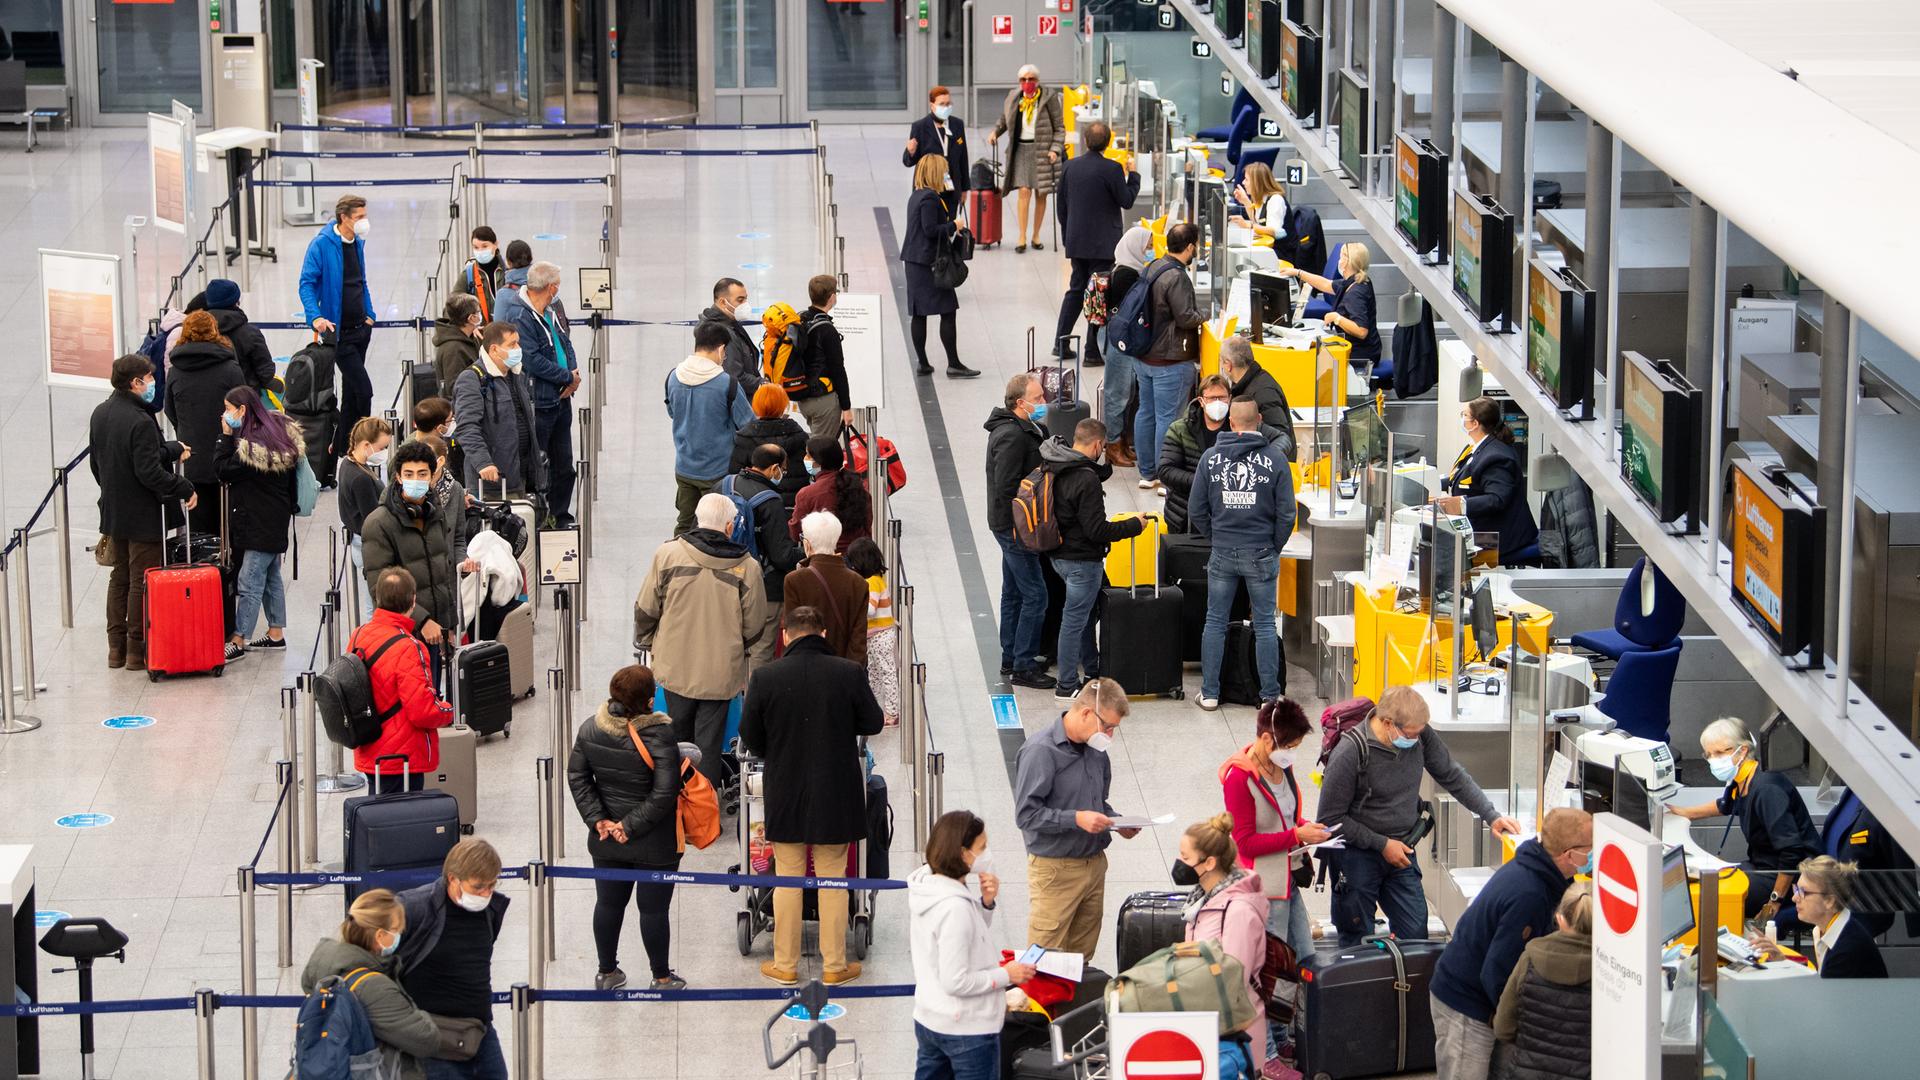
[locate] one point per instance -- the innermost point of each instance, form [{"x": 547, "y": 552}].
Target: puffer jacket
[
  {"x": 611, "y": 782},
  {"x": 418, "y": 537},
  {"x": 454, "y": 351},
  {"x": 702, "y": 606},
  {"x": 1235, "y": 915},
  {"x": 397, "y": 1023},
  {"x": 1175, "y": 313},
  {"x": 1187, "y": 439},
  {"x": 402, "y": 679},
  {"x": 1546, "y": 1010},
  {"x": 1049, "y": 133},
  {"x": 249, "y": 344},
  {"x": 199, "y": 374},
  {"x": 783, "y": 432},
  {"x": 262, "y": 490},
  {"x": 957, "y": 977}
]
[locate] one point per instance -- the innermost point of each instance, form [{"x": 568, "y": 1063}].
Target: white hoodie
[
  {"x": 958, "y": 980},
  {"x": 696, "y": 370}
]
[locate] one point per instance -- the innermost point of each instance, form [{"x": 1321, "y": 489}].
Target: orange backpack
[
  {"x": 699, "y": 819},
  {"x": 783, "y": 340}
]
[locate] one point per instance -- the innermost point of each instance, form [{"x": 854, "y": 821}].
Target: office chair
[
  {"x": 1639, "y": 696},
  {"x": 1220, "y": 133},
  {"x": 1319, "y": 304},
  {"x": 1635, "y": 630}
]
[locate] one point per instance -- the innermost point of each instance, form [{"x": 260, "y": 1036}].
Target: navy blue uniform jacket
[
  {"x": 1496, "y": 501},
  {"x": 1092, "y": 194},
  {"x": 926, "y": 131}
]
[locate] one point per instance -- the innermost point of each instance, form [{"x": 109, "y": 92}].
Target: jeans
[
  {"x": 1462, "y": 1046},
  {"x": 259, "y": 581},
  {"x": 955, "y": 1057},
  {"x": 1077, "y": 619},
  {"x": 704, "y": 724},
  {"x": 1023, "y": 603},
  {"x": 652, "y": 899},
  {"x": 1117, "y": 390},
  {"x": 1075, "y": 301},
  {"x": 1226, "y": 569},
  {"x": 360, "y": 573},
  {"x": 1288, "y": 920},
  {"x": 356, "y": 388},
  {"x": 488, "y": 1064},
  {"x": 553, "y": 434},
  {"x": 127, "y": 595},
  {"x": 1368, "y": 881},
  {"x": 1164, "y": 391}
]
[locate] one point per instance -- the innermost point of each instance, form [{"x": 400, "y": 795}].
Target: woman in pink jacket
[{"x": 1226, "y": 905}]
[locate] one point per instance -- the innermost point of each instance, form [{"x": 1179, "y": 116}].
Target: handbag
[
  {"x": 460, "y": 1037},
  {"x": 949, "y": 271},
  {"x": 962, "y": 245},
  {"x": 106, "y": 551},
  {"x": 1094, "y": 303}
]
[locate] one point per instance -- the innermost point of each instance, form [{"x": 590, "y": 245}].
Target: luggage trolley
[
  {"x": 1087, "y": 1055},
  {"x": 756, "y": 857}
]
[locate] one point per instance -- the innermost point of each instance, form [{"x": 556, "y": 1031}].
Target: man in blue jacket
[
  {"x": 552, "y": 367},
  {"x": 1242, "y": 499},
  {"x": 706, "y": 408},
  {"x": 334, "y": 298},
  {"x": 1515, "y": 906}
]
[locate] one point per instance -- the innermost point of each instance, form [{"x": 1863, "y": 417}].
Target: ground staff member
[
  {"x": 334, "y": 297},
  {"x": 1485, "y": 483},
  {"x": 1060, "y": 803},
  {"x": 939, "y": 132},
  {"x": 1370, "y": 797},
  {"x": 1774, "y": 819},
  {"x": 1353, "y": 315},
  {"x": 1842, "y": 943}
]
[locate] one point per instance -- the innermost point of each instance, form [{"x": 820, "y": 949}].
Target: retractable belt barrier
[
  {"x": 41, "y": 1009},
  {"x": 389, "y": 878}
]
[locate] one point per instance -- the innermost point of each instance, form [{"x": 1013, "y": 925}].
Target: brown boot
[
  {"x": 116, "y": 656},
  {"x": 1120, "y": 454},
  {"x": 136, "y": 661}
]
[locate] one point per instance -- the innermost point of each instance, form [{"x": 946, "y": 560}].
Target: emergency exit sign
[{"x": 1049, "y": 26}]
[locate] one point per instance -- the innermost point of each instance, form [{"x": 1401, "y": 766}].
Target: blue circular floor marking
[
  {"x": 756, "y": 266},
  {"x": 833, "y": 1011},
  {"x": 754, "y": 235},
  {"x": 83, "y": 821},
  {"x": 43, "y": 920},
  {"x": 550, "y": 236},
  {"x": 127, "y": 723}
]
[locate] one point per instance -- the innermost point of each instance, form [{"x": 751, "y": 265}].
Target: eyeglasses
[
  {"x": 1799, "y": 892},
  {"x": 1108, "y": 726}
]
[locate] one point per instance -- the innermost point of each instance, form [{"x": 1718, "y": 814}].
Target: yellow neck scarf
[{"x": 1028, "y": 103}]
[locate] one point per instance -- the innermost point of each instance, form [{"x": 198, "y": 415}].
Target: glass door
[
  {"x": 862, "y": 60},
  {"x": 747, "y": 83},
  {"x": 658, "y": 62},
  {"x": 351, "y": 38},
  {"x": 146, "y": 56},
  {"x": 482, "y": 62}
]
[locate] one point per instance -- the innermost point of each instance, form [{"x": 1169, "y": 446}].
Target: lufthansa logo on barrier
[
  {"x": 826, "y": 883},
  {"x": 687, "y": 879}
]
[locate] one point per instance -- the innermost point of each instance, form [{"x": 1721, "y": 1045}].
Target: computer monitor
[
  {"x": 1630, "y": 798},
  {"x": 1363, "y": 437},
  {"x": 1436, "y": 567},
  {"x": 1270, "y": 300},
  {"x": 1486, "y": 625},
  {"x": 1676, "y": 899}
]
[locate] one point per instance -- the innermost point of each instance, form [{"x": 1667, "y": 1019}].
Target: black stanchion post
[{"x": 62, "y": 528}]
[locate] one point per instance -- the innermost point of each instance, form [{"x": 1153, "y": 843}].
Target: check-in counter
[
  {"x": 1560, "y": 155},
  {"x": 1394, "y": 647}
]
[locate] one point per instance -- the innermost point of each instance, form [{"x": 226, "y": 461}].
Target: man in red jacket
[{"x": 402, "y": 685}]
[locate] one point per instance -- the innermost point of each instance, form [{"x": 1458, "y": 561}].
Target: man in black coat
[
  {"x": 804, "y": 715},
  {"x": 1014, "y": 436},
  {"x": 1094, "y": 193},
  {"x": 133, "y": 467},
  {"x": 1080, "y": 509},
  {"x": 742, "y": 358},
  {"x": 773, "y": 541},
  {"x": 939, "y": 132},
  {"x": 222, "y": 301},
  {"x": 1246, "y": 378}
]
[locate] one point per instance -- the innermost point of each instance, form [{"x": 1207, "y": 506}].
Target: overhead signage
[
  {"x": 1049, "y": 25},
  {"x": 1201, "y": 50}
]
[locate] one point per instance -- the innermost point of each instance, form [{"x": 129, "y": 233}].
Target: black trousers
[
  {"x": 1075, "y": 301},
  {"x": 653, "y": 901},
  {"x": 356, "y": 387},
  {"x": 704, "y": 724}
]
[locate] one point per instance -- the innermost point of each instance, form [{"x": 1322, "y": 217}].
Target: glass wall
[
  {"x": 149, "y": 55},
  {"x": 350, "y": 38},
  {"x": 1164, "y": 56},
  {"x": 30, "y": 31},
  {"x": 856, "y": 55}
]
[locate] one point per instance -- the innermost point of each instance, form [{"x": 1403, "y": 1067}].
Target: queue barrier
[
  {"x": 43, "y": 1009},
  {"x": 508, "y": 125}
]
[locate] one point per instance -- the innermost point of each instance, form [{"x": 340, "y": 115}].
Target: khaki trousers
[
  {"x": 1065, "y": 901},
  {"x": 790, "y": 860}
]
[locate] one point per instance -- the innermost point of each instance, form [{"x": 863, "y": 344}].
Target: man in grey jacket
[
  {"x": 495, "y": 408},
  {"x": 1060, "y": 804},
  {"x": 1370, "y": 796},
  {"x": 742, "y": 359},
  {"x": 1167, "y": 371}
]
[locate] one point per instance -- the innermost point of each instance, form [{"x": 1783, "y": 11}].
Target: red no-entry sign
[
  {"x": 1163, "y": 1055},
  {"x": 1619, "y": 891}
]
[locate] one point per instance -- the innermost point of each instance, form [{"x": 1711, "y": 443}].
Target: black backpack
[
  {"x": 310, "y": 378},
  {"x": 344, "y": 694}
]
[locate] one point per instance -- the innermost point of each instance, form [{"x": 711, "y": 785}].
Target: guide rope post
[
  {"x": 63, "y": 529},
  {"x": 290, "y": 751},
  {"x": 205, "y": 1004},
  {"x": 30, "y": 684},
  {"x": 11, "y": 721},
  {"x": 249, "y": 969},
  {"x": 309, "y": 779}
]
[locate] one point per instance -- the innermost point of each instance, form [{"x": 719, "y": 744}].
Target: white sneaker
[
  {"x": 1147, "y": 485},
  {"x": 1163, "y": 491},
  {"x": 1210, "y": 704}
]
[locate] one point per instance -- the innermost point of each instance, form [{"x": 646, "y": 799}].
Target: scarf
[
  {"x": 1135, "y": 249},
  {"x": 1198, "y": 898},
  {"x": 1028, "y": 103}
]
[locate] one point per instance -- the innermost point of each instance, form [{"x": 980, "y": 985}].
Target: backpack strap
[
  {"x": 353, "y": 984},
  {"x": 386, "y": 714},
  {"x": 1360, "y": 746}
]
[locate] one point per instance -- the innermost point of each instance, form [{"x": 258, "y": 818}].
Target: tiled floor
[{"x": 191, "y": 794}]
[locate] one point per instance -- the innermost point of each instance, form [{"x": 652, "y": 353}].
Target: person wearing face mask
[
  {"x": 1270, "y": 827},
  {"x": 1370, "y": 796},
  {"x": 362, "y": 957},
  {"x": 434, "y": 416},
  {"x": 1772, "y": 815},
  {"x": 1166, "y": 372},
  {"x": 446, "y": 958},
  {"x": 409, "y": 529},
  {"x": 334, "y": 298},
  {"x": 552, "y": 368},
  {"x": 705, "y": 407},
  {"x": 1515, "y": 906},
  {"x": 258, "y": 460},
  {"x": 139, "y": 499},
  {"x": 361, "y": 482},
  {"x": 400, "y": 672},
  {"x": 779, "y": 556},
  {"x": 1226, "y": 903},
  {"x": 485, "y": 272},
  {"x": 1014, "y": 435},
  {"x": 1187, "y": 440},
  {"x": 1249, "y": 379},
  {"x": 1033, "y": 116},
  {"x": 939, "y": 132},
  {"x": 204, "y": 368},
  {"x": 836, "y": 489},
  {"x": 742, "y": 358},
  {"x": 1061, "y": 780},
  {"x": 1485, "y": 484},
  {"x": 1353, "y": 315},
  {"x": 456, "y": 340},
  {"x": 823, "y": 582},
  {"x": 959, "y": 1003},
  {"x": 771, "y": 424},
  {"x": 497, "y": 430}
]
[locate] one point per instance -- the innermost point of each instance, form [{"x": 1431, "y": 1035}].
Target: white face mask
[
  {"x": 1282, "y": 759},
  {"x": 473, "y": 902},
  {"x": 982, "y": 864},
  {"x": 377, "y": 459},
  {"x": 941, "y": 112},
  {"x": 1100, "y": 741},
  {"x": 1216, "y": 410},
  {"x": 1466, "y": 428},
  {"x": 362, "y": 227}
]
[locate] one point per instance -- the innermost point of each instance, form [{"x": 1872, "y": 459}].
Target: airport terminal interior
[{"x": 1595, "y": 359}]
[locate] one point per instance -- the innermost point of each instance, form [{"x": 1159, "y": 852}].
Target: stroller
[{"x": 756, "y": 857}]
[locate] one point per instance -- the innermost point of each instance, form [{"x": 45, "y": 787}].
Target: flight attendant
[{"x": 1485, "y": 484}]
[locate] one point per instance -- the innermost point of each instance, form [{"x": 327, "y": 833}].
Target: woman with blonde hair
[
  {"x": 1265, "y": 200},
  {"x": 1227, "y": 904},
  {"x": 1843, "y": 946},
  {"x": 929, "y": 224},
  {"x": 1545, "y": 1012},
  {"x": 1034, "y": 116},
  {"x": 362, "y": 957},
  {"x": 1354, "y": 315}
]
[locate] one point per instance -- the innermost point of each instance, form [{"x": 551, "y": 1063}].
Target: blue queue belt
[
  {"x": 425, "y": 181},
  {"x": 644, "y": 151},
  {"x": 42, "y": 1009},
  {"x": 367, "y": 154},
  {"x": 96, "y": 1008},
  {"x": 713, "y": 127},
  {"x": 688, "y": 877},
  {"x": 518, "y": 180}
]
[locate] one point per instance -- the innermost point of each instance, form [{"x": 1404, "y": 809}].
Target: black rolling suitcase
[
  {"x": 423, "y": 382},
  {"x": 1147, "y": 923},
  {"x": 481, "y": 689},
  {"x": 1066, "y": 407},
  {"x": 409, "y": 830},
  {"x": 1240, "y": 667},
  {"x": 1364, "y": 1011},
  {"x": 1183, "y": 562},
  {"x": 1135, "y": 647}
]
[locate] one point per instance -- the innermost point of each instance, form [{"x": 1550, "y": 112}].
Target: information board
[
  {"x": 80, "y": 307},
  {"x": 858, "y": 318},
  {"x": 1626, "y": 950},
  {"x": 167, "y": 157}
]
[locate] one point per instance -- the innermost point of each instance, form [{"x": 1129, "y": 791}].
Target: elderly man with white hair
[
  {"x": 552, "y": 366},
  {"x": 823, "y": 582},
  {"x": 700, "y": 611}
]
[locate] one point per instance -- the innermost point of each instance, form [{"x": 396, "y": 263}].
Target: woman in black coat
[
  {"x": 200, "y": 371},
  {"x": 633, "y": 808},
  {"x": 929, "y": 221},
  {"x": 258, "y": 460},
  {"x": 772, "y": 425}
]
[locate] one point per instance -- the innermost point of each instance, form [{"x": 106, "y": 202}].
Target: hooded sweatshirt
[
  {"x": 1514, "y": 907},
  {"x": 706, "y": 407},
  {"x": 1242, "y": 494},
  {"x": 958, "y": 980},
  {"x": 1235, "y": 915},
  {"x": 1080, "y": 504}
]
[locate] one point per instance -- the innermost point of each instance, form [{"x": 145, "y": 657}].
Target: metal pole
[
  {"x": 903, "y": 619},
  {"x": 558, "y": 743},
  {"x": 30, "y": 684},
  {"x": 290, "y": 752},
  {"x": 1514, "y": 105},
  {"x": 936, "y": 787},
  {"x": 338, "y": 777},
  {"x": 537, "y": 932},
  {"x": 573, "y": 653},
  {"x": 289, "y": 863},
  {"x": 250, "y": 968},
  {"x": 520, "y": 1000},
  {"x": 876, "y": 474},
  {"x": 890, "y": 547},
  {"x": 1445, "y": 29},
  {"x": 11, "y": 722},
  {"x": 309, "y": 751},
  {"x": 62, "y": 528},
  {"x": 479, "y": 172},
  {"x": 546, "y": 813},
  {"x": 1843, "y": 646},
  {"x": 589, "y": 477},
  {"x": 966, "y": 61},
  {"x": 1716, "y": 402},
  {"x": 205, "y": 1003},
  {"x": 921, "y": 823}
]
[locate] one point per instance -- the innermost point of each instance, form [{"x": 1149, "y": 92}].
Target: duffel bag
[{"x": 1192, "y": 976}]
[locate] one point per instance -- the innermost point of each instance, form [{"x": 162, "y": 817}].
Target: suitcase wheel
[
  {"x": 466, "y": 830},
  {"x": 219, "y": 671},
  {"x": 734, "y": 869},
  {"x": 862, "y": 936},
  {"x": 507, "y": 732},
  {"x": 1179, "y": 694},
  {"x": 743, "y": 931},
  {"x": 153, "y": 676}
]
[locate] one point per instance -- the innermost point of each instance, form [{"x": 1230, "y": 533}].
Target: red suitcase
[
  {"x": 983, "y": 216},
  {"x": 186, "y": 618}
]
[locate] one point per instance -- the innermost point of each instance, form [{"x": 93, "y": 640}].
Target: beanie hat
[{"x": 222, "y": 294}]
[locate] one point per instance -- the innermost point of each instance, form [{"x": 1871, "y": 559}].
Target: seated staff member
[
  {"x": 1843, "y": 945},
  {"x": 1263, "y": 200},
  {"x": 1773, "y": 817},
  {"x": 1485, "y": 484},
  {"x": 1353, "y": 303}
]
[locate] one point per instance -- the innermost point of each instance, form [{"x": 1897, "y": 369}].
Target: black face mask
[{"x": 1184, "y": 875}]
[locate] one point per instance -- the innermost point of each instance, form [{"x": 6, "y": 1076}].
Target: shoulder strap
[
  {"x": 833, "y": 613},
  {"x": 640, "y": 746},
  {"x": 1360, "y": 745},
  {"x": 365, "y": 973}
]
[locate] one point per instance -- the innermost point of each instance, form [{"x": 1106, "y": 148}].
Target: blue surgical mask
[
  {"x": 812, "y": 469},
  {"x": 392, "y": 945},
  {"x": 513, "y": 358},
  {"x": 232, "y": 422},
  {"x": 415, "y": 490},
  {"x": 483, "y": 256},
  {"x": 1039, "y": 413},
  {"x": 941, "y": 112},
  {"x": 1586, "y": 867},
  {"x": 1723, "y": 768},
  {"x": 146, "y": 392},
  {"x": 1404, "y": 743}
]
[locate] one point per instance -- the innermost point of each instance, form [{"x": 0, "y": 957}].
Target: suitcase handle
[
  {"x": 406, "y": 767},
  {"x": 1133, "y": 556}
]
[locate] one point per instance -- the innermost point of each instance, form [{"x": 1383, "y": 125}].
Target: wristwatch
[{"x": 1774, "y": 898}]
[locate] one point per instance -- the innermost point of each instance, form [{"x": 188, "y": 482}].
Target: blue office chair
[
  {"x": 1633, "y": 631},
  {"x": 1246, "y": 125},
  {"x": 1319, "y": 303},
  {"x": 1639, "y": 696},
  {"x": 1241, "y": 100}
]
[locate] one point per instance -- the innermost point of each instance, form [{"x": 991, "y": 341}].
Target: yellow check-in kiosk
[
  {"x": 1302, "y": 375},
  {"x": 1403, "y": 648}
]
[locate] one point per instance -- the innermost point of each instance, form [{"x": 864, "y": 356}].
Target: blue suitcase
[{"x": 410, "y": 830}]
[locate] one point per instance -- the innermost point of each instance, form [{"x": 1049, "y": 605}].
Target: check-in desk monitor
[
  {"x": 1270, "y": 301},
  {"x": 1676, "y": 901}
]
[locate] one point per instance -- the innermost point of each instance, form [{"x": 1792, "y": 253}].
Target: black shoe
[
  {"x": 234, "y": 653},
  {"x": 268, "y": 643},
  {"x": 1093, "y": 361},
  {"x": 923, "y": 369},
  {"x": 1033, "y": 680},
  {"x": 1064, "y": 692},
  {"x": 961, "y": 371}
]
